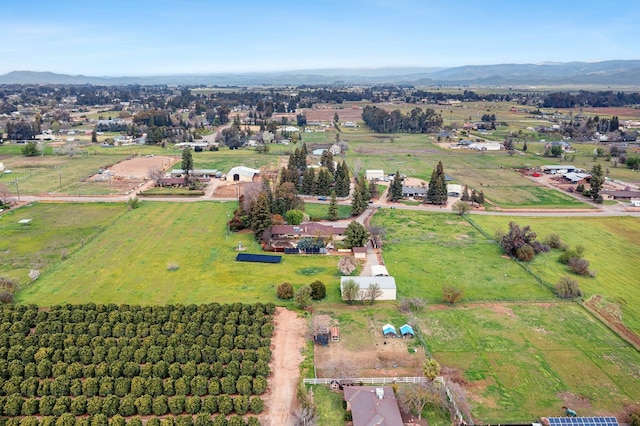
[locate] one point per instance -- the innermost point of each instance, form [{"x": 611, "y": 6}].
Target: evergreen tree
[
  {"x": 260, "y": 215},
  {"x": 437, "y": 191},
  {"x": 363, "y": 186},
  {"x": 481, "y": 198},
  {"x": 308, "y": 182},
  {"x": 474, "y": 196},
  {"x": 597, "y": 179},
  {"x": 395, "y": 188},
  {"x": 333, "y": 207},
  {"x": 94, "y": 136},
  {"x": 292, "y": 164},
  {"x": 358, "y": 205},
  {"x": 187, "y": 163},
  {"x": 373, "y": 189},
  {"x": 465, "y": 194},
  {"x": 266, "y": 188},
  {"x": 524, "y": 147},
  {"x": 323, "y": 185},
  {"x": 342, "y": 180}
]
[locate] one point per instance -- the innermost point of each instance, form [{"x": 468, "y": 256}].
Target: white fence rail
[{"x": 367, "y": 380}]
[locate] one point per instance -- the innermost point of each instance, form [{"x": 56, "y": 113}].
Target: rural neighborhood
[{"x": 330, "y": 214}]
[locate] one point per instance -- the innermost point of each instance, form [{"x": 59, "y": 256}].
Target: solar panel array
[
  {"x": 262, "y": 258},
  {"x": 582, "y": 421}
]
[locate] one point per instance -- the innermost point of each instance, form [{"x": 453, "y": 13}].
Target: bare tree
[
  {"x": 6, "y": 197},
  {"x": 415, "y": 397},
  {"x": 373, "y": 292},
  {"x": 155, "y": 174},
  {"x": 346, "y": 265},
  {"x": 341, "y": 369},
  {"x": 250, "y": 192},
  {"x": 320, "y": 323},
  {"x": 305, "y": 416},
  {"x": 358, "y": 165}
]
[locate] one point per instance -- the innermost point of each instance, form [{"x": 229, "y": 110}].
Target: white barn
[
  {"x": 387, "y": 286},
  {"x": 374, "y": 174},
  {"x": 242, "y": 174}
]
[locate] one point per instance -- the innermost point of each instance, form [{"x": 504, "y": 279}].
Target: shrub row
[
  {"x": 144, "y": 405},
  {"x": 117, "y": 420},
  {"x": 100, "y": 314},
  {"x": 137, "y": 386}
]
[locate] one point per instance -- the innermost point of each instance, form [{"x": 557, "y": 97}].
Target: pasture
[
  {"x": 130, "y": 262},
  {"x": 611, "y": 246},
  {"x": 427, "y": 251},
  {"x": 521, "y": 361},
  {"x": 55, "y": 232}
]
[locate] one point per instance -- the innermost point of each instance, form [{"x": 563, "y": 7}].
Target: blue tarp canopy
[
  {"x": 262, "y": 258},
  {"x": 388, "y": 329},
  {"x": 407, "y": 329}
]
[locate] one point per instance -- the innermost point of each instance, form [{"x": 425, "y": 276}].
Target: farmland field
[
  {"x": 130, "y": 262},
  {"x": 519, "y": 362},
  {"x": 611, "y": 246},
  {"x": 426, "y": 251},
  {"x": 125, "y": 361},
  {"x": 55, "y": 232}
]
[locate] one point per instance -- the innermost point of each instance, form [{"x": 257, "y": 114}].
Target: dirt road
[{"x": 287, "y": 342}]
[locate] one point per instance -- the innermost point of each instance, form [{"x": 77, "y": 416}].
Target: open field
[
  {"x": 519, "y": 362},
  {"x": 611, "y": 246},
  {"x": 128, "y": 263},
  {"x": 319, "y": 211},
  {"x": 56, "y": 231},
  {"x": 427, "y": 251}
]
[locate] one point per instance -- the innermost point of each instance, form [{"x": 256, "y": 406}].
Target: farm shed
[
  {"x": 379, "y": 271},
  {"x": 389, "y": 330},
  {"x": 577, "y": 177},
  {"x": 454, "y": 190},
  {"x": 563, "y": 168},
  {"x": 322, "y": 339},
  {"x": 620, "y": 195},
  {"x": 374, "y": 174},
  {"x": 372, "y": 406},
  {"x": 387, "y": 286},
  {"x": 414, "y": 191},
  {"x": 242, "y": 174},
  {"x": 359, "y": 252},
  {"x": 335, "y": 334},
  {"x": 407, "y": 331}
]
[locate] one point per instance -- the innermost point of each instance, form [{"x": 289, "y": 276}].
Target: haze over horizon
[{"x": 147, "y": 37}]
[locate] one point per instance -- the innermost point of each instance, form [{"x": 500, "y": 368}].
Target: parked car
[{"x": 322, "y": 198}]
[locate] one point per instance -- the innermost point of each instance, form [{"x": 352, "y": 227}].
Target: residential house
[{"x": 372, "y": 406}]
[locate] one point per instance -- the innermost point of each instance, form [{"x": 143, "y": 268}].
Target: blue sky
[{"x": 160, "y": 37}]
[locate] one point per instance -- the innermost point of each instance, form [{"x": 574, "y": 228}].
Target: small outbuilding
[
  {"x": 359, "y": 252},
  {"x": 242, "y": 174},
  {"x": 374, "y": 174},
  {"x": 407, "y": 331},
  {"x": 454, "y": 190},
  {"x": 335, "y": 334},
  {"x": 389, "y": 331},
  {"x": 379, "y": 271}
]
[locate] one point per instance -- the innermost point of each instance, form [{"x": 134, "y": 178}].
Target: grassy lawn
[
  {"x": 318, "y": 211},
  {"x": 521, "y": 359},
  {"x": 128, "y": 263},
  {"x": 56, "y": 231},
  {"x": 329, "y": 406},
  {"x": 426, "y": 251},
  {"x": 611, "y": 246}
]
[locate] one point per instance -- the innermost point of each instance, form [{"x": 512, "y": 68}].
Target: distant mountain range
[{"x": 624, "y": 72}]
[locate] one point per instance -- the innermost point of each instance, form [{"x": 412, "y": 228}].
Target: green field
[
  {"x": 55, "y": 232},
  {"x": 128, "y": 263},
  {"x": 318, "y": 211},
  {"x": 611, "y": 246},
  {"x": 522, "y": 359},
  {"x": 427, "y": 251}
]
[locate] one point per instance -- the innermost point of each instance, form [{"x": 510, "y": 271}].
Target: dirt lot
[
  {"x": 138, "y": 167},
  {"x": 370, "y": 354},
  {"x": 287, "y": 343}
]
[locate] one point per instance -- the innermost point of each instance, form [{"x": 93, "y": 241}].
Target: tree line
[{"x": 416, "y": 121}]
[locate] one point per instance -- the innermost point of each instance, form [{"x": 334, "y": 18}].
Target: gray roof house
[{"x": 371, "y": 406}]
